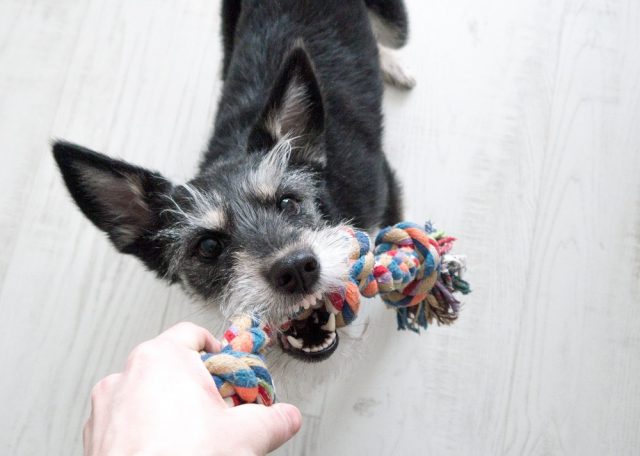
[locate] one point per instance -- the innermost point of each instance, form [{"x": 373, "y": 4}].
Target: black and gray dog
[{"x": 296, "y": 152}]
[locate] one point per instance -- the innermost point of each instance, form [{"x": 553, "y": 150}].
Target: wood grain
[{"x": 521, "y": 138}]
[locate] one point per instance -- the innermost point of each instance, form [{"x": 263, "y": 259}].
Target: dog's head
[{"x": 251, "y": 233}]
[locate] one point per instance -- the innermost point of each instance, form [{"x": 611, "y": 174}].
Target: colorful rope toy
[
  {"x": 238, "y": 370},
  {"x": 411, "y": 269}
]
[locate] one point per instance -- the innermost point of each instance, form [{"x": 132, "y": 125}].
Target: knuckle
[
  {"x": 110, "y": 380},
  {"x": 103, "y": 385},
  {"x": 97, "y": 391},
  {"x": 142, "y": 353}
]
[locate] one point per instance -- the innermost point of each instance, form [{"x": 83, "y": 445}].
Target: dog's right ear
[
  {"x": 120, "y": 199},
  {"x": 294, "y": 110}
]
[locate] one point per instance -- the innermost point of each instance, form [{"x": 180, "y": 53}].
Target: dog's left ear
[
  {"x": 121, "y": 199},
  {"x": 294, "y": 110}
]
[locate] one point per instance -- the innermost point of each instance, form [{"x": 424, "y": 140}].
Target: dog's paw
[{"x": 393, "y": 73}]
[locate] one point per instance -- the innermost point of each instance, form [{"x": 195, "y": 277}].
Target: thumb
[{"x": 267, "y": 428}]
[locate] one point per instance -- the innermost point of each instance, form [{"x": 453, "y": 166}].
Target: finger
[
  {"x": 269, "y": 427},
  {"x": 191, "y": 336}
]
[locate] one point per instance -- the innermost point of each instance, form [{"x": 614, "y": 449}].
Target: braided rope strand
[{"x": 239, "y": 370}]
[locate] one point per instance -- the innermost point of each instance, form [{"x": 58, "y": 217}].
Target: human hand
[{"x": 165, "y": 402}]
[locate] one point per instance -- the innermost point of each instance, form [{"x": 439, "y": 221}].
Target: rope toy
[
  {"x": 239, "y": 370},
  {"x": 412, "y": 270}
]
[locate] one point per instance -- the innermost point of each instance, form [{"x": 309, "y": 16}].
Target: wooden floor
[{"x": 522, "y": 137}]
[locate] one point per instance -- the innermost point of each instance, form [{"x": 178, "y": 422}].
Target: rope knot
[
  {"x": 410, "y": 270},
  {"x": 239, "y": 370}
]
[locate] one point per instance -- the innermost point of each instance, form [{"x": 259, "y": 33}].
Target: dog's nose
[{"x": 295, "y": 273}]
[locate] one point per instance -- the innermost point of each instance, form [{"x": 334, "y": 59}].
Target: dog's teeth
[
  {"x": 294, "y": 309},
  {"x": 330, "y": 325},
  {"x": 306, "y": 349},
  {"x": 329, "y": 306},
  {"x": 329, "y": 340},
  {"x": 318, "y": 295},
  {"x": 296, "y": 343}
]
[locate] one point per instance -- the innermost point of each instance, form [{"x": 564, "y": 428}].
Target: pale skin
[{"x": 165, "y": 403}]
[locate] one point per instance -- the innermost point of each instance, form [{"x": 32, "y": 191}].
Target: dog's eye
[
  {"x": 209, "y": 247},
  {"x": 289, "y": 205}
]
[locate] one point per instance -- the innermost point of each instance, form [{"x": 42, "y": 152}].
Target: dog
[{"x": 296, "y": 153}]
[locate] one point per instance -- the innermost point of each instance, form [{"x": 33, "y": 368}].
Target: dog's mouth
[{"x": 310, "y": 334}]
